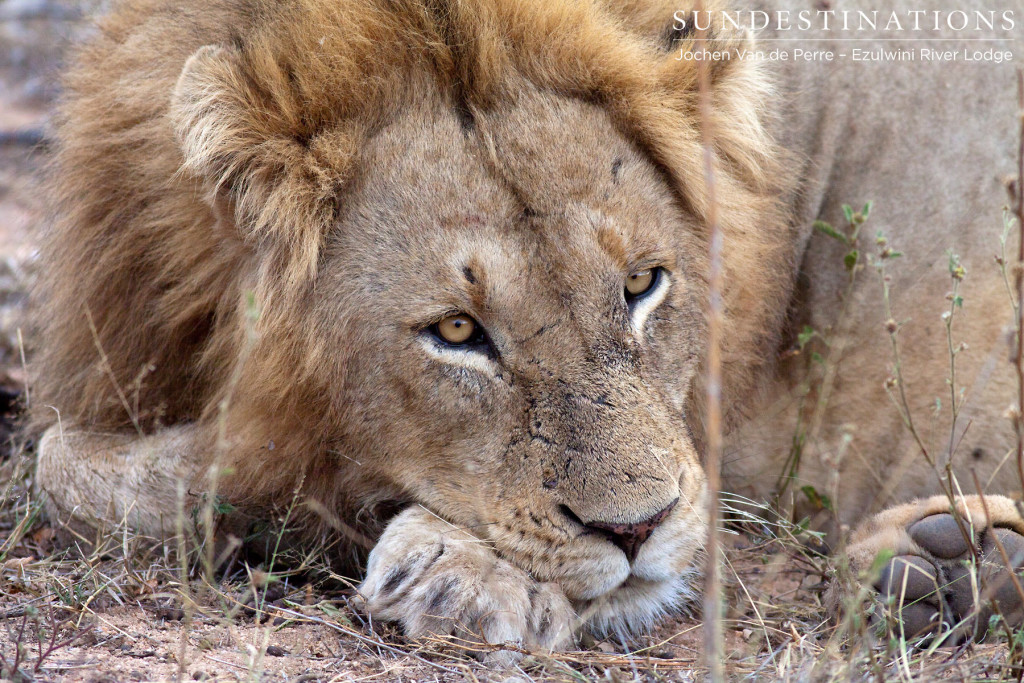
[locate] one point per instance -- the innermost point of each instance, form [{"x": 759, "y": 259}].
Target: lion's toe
[
  {"x": 996, "y": 588},
  {"x": 436, "y": 581},
  {"x": 941, "y": 536},
  {"x": 910, "y": 586},
  {"x": 973, "y": 591}
]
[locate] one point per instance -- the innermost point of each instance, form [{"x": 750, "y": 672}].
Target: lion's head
[
  {"x": 517, "y": 295},
  {"x": 474, "y": 239}
]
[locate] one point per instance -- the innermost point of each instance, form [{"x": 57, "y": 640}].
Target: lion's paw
[
  {"x": 932, "y": 584},
  {"x": 435, "y": 579}
]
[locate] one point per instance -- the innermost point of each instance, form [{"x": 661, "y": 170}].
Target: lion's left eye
[
  {"x": 458, "y": 330},
  {"x": 639, "y": 283}
]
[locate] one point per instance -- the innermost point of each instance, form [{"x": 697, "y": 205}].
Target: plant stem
[
  {"x": 714, "y": 640},
  {"x": 1019, "y": 279}
]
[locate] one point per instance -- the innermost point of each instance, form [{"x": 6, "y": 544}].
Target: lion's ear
[{"x": 242, "y": 131}]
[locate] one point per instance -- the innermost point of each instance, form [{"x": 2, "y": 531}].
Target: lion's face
[
  {"x": 289, "y": 221},
  {"x": 520, "y": 299}
]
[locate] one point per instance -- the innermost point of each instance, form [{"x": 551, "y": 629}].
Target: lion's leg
[
  {"x": 433, "y": 578},
  {"x": 105, "y": 481},
  {"x": 929, "y": 582}
]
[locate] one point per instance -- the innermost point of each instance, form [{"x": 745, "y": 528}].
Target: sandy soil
[{"x": 113, "y": 632}]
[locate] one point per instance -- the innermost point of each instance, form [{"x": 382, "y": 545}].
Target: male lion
[{"x": 449, "y": 259}]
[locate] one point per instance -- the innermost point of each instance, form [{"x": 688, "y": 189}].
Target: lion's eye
[
  {"x": 640, "y": 282},
  {"x": 457, "y": 330}
]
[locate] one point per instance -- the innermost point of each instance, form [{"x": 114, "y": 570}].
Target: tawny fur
[
  {"x": 239, "y": 186},
  {"x": 191, "y": 180}
]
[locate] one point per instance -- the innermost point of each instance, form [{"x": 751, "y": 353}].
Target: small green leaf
[
  {"x": 819, "y": 500},
  {"x": 805, "y": 336},
  {"x": 335, "y": 613},
  {"x": 812, "y": 495},
  {"x": 878, "y": 564},
  {"x": 816, "y": 357},
  {"x": 958, "y": 301},
  {"x": 827, "y": 229},
  {"x": 866, "y": 211},
  {"x": 850, "y": 260},
  {"x": 848, "y": 213}
]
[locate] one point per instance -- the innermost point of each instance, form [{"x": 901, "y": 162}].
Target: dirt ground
[{"x": 130, "y": 621}]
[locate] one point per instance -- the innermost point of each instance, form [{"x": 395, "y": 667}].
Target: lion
[{"x": 436, "y": 274}]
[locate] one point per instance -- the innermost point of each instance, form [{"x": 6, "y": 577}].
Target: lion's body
[
  {"x": 261, "y": 208},
  {"x": 932, "y": 145}
]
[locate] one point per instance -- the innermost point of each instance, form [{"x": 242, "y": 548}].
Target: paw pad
[
  {"x": 935, "y": 590},
  {"x": 941, "y": 536},
  {"x": 911, "y": 585}
]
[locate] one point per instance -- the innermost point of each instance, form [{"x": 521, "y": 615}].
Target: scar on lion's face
[{"x": 539, "y": 291}]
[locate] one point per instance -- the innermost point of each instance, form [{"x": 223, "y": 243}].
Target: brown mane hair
[{"x": 193, "y": 186}]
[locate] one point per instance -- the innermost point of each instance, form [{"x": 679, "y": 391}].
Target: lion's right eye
[
  {"x": 639, "y": 282},
  {"x": 458, "y": 330}
]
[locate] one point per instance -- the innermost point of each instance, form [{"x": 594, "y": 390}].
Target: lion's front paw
[
  {"x": 433, "y": 578},
  {"x": 947, "y": 573}
]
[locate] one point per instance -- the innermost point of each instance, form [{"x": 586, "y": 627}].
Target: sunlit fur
[{"x": 258, "y": 206}]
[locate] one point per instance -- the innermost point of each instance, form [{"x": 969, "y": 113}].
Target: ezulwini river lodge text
[{"x": 856, "y": 54}]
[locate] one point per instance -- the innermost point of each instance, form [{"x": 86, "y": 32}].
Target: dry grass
[{"x": 121, "y": 611}]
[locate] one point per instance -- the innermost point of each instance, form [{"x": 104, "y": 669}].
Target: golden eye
[
  {"x": 639, "y": 282},
  {"x": 457, "y": 329}
]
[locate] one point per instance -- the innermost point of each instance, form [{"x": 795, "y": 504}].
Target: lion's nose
[{"x": 629, "y": 537}]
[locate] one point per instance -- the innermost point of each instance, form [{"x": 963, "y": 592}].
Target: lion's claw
[{"x": 434, "y": 579}]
